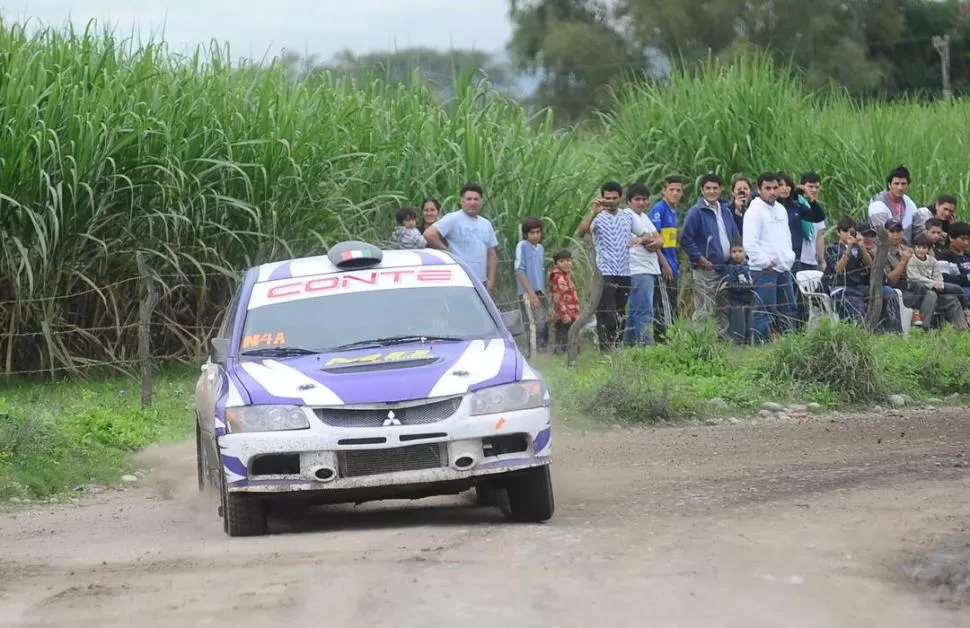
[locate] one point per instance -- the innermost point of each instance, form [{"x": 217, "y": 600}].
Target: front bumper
[{"x": 328, "y": 458}]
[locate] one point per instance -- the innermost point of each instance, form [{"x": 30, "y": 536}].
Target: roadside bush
[
  {"x": 38, "y": 459},
  {"x": 622, "y": 388},
  {"x": 935, "y": 363},
  {"x": 838, "y": 356}
]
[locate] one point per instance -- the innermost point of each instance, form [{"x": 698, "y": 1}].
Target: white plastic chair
[{"x": 819, "y": 303}]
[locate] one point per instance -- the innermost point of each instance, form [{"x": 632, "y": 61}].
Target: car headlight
[
  {"x": 266, "y": 418},
  {"x": 507, "y": 398}
]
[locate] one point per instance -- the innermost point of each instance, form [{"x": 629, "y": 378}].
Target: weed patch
[
  {"x": 56, "y": 436},
  {"x": 693, "y": 375}
]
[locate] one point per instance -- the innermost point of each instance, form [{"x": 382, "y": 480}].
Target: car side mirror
[
  {"x": 220, "y": 350},
  {"x": 512, "y": 319}
]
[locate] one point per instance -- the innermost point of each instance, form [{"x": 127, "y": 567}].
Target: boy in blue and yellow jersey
[{"x": 665, "y": 218}]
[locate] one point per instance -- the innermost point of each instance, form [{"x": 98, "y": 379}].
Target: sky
[{"x": 258, "y": 28}]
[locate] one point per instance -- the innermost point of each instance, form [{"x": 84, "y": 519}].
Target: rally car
[{"x": 369, "y": 374}]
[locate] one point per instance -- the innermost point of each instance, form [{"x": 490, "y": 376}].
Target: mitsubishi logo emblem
[{"x": 391, "y": 420}]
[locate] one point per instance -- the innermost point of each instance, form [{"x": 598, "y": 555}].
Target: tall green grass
[
  {"x": 111, "y": 148},
  {"x": 752, "y": 116}
]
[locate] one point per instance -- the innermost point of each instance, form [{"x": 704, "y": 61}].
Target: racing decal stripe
[
  {"x": 542, "y": 440},
  {"x": 267, "y": 270},
  {"x": 479, "y": 362},
  {"x": 281, "y": 272},
  {"x": 283, "y": 381}
]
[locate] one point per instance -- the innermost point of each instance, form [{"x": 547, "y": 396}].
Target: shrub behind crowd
[{"x": 697, "y": 375}]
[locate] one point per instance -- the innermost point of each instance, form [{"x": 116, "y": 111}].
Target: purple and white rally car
[{"x": 366, "y": 375}]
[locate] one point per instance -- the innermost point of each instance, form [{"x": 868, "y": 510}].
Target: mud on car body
[{"x": 365, "y": 375}]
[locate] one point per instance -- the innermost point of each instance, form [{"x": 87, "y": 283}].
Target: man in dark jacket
[
  {"x": 706, "y": 238},
  {"x": 956, "y": 260}
]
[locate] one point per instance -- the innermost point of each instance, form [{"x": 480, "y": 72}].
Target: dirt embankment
[{"x": 812, "y": 522}]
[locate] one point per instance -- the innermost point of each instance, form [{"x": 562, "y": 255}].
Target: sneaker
[{"x": 917, "y": 319}]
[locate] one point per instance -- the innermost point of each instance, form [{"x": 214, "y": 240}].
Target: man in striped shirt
[{"x": 612, "y": 231}]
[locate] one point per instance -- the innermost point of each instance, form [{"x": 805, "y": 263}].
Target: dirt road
[{"x": 797, "y": 523}]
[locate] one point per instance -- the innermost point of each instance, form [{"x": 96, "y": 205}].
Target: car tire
[
  {"x": 530, "y": 496},
  {"x": 242, "y": 514},
  {"x": 486, "y": 494}
]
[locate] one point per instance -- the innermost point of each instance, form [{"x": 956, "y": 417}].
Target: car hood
[{"x": 381, "y": 375}]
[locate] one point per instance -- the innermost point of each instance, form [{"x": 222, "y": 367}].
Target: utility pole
[{"x": 942, "y": 45}]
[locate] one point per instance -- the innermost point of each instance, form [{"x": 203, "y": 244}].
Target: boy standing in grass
[
  {"x": 666, "y": 219},
  {"x": 406, "y": 233},
  {"x": 740, "y": 289},
  {"x": 645, "y": 267},
  {"x": 565, "y": 297},
  {"x": 530, "y": 285}
]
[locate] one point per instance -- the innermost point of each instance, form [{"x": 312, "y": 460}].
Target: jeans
[
  {"x": 664, "y": 307},
  {"x": 639, "y": 323},
  {"x": 611, "y": 310},
  {"x": 740, "y": 315},
  {"x": 775, "y": 302},
  {"x": 852, "y": 302}
]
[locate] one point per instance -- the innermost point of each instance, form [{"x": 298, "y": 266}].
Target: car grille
[
  {"x": 363, "y": 462},
  {"x": 420, "y": 414}
]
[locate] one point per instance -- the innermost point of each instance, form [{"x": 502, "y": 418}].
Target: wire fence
[{"x": 157, "y": 318}]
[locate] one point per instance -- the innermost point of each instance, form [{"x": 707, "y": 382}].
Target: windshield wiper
[
  {"x": 279, "y": 351},
  {"x": 395, "y": 340}
]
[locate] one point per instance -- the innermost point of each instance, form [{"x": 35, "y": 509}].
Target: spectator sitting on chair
[
  {"x": 845, "y": 262},
  {"x": 706, "y": 238},
  {"x": 944, "y": 210},
  {"x": 955, "y": 261},
  {"x": 936, "y": 236},
  {"x": 925, "y": 280},
  {"x": 897, "y": 261},
  {"x": 891, "y": 314},
  {"x": 893, "y": 203}
]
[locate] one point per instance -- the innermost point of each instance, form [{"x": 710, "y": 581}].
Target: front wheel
[
  {"x": 530, "y": 495},
  {"x": 242, "y": 514}
]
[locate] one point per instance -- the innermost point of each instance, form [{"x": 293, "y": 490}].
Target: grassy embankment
[{"x": 109, "y": 150}]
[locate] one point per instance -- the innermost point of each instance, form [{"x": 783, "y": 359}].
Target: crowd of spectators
[{"x": 756, "y": 256}]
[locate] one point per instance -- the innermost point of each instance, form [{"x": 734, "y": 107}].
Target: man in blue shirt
[
  {"x": 706, "y": 237},
  {"x": 665, "y": 218},
  {"x": 612, "y": 231},
  {"x": 470, "y": 236}
]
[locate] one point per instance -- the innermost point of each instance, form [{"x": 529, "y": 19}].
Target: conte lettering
[
  {"x": 372, "y": 281},
  {"x": 322, "y": 285},
  {"x": 284, "y": 290},
  {"x": 348, "y": 280}
]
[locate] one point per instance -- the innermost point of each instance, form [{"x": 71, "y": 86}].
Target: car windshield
[{"x": 358, "y": 319}]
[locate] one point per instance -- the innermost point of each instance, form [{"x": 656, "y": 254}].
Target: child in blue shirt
[{"x": 530, "y": 285}]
